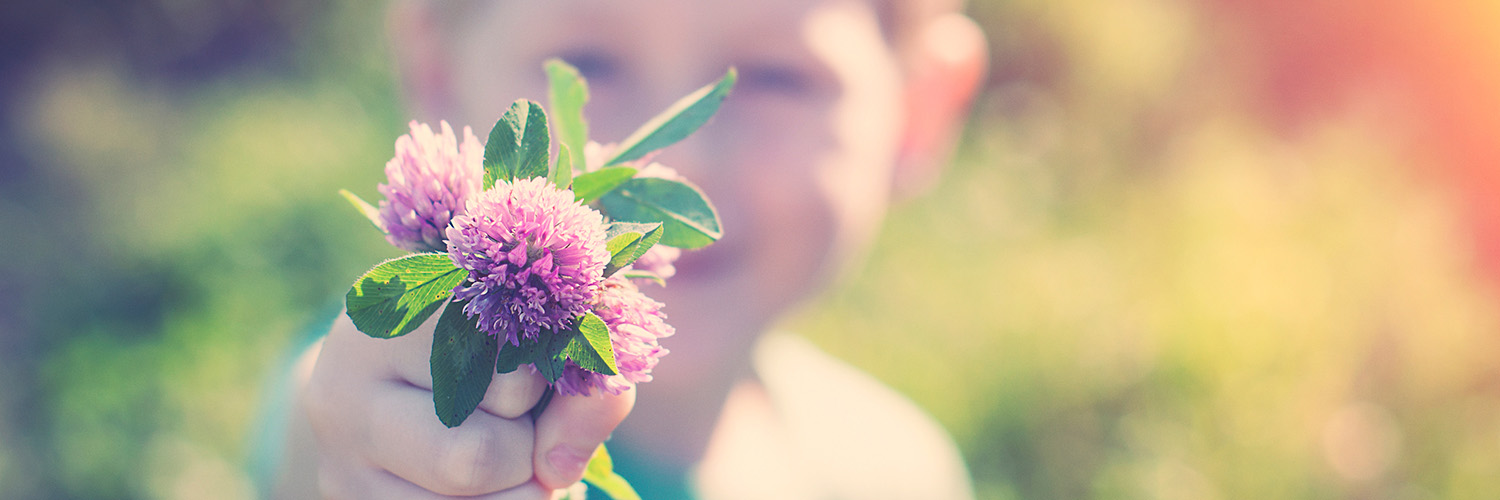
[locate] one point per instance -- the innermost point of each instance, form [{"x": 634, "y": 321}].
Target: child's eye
[
  {"x": 775, "y": 78},
  {"x": 595, "y": 65}
]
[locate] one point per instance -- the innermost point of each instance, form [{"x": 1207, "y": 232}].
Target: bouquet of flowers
[{"x": 535, "y": 257}]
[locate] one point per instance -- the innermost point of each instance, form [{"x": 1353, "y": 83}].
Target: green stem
[{"x": 536, "y": 411}]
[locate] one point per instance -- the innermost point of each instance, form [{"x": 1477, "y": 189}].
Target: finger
[
  {"x": 409, "y": 356},
  {"x": 335, "y": 397},
  {"x": 509, "y": 395},
  {"x": 513, "y": 394},
  {"x": 346, "y": 350},
  {"x": 386, "y": 485},
  {"x": 570, "y": 429},
  {"x": 483, "y": 455},
  {"x": 377, "y": 484}
]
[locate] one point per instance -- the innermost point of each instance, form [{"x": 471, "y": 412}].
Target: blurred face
[{"x": 798, "y": 160}]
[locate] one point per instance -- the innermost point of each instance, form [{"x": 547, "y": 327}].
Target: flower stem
[{"x": 541, "y": 405}]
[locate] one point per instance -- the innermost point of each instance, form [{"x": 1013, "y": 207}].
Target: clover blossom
[
  {"x": 428, "y": 182},
  {"x": 635, "y": 324},
  {"x": 535, "y": 257}
]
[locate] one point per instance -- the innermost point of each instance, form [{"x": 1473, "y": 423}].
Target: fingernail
[{"x": 568, "y": 461}]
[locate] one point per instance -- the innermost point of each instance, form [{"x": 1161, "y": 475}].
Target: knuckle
[
  {"x": 481, "y": 461},
  {"x": 512, "y": 395}
]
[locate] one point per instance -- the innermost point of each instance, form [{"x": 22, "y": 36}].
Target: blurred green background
[{"x": 1154, "y": 270}]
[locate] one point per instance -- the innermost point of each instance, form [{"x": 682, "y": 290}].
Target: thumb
[{"x": 570, "y": 429}]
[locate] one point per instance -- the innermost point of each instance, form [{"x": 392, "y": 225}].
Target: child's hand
[{"x": 370, "y": 404}]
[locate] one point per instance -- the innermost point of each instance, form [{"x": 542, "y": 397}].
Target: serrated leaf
[
  {"x": 462, "y": 363},
  {"x": 567, "y": 93},
  {"x": 628, "y": 241},
  {"x": 589, "y": 346},
  {"x": 619, "y": 235},
  {"x": 548, "y": 354},
  {"x": 600, "y": 472},
  {"x": 513, "y": 356},
  {"x": 590, "y": 186},
  {"x": 500, "y": 149},
  {"x": 688, "y": 219},
  {"x": 679, "y": 120},
  {"x": 369, "y": 211},
  {"x": 550, "y": 368},
  {"x": 518, "y": 146},
  {"x": 395, "y": 296},
  {"x": 536, "y": 145},
  {"x": 562, "y": 171}
]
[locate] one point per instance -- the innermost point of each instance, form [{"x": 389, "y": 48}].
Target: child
[{"x": 838, "y": 102}]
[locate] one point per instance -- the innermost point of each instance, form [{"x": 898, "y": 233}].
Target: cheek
[
  {"x": 786, "y": 219},
  {"x": 802, "y": 186},
  {"x": 796, "y": 228}
]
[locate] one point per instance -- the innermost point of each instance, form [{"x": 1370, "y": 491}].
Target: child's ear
[
  {"x": 417, "y": 43},
  {"x": 948, "y": 61}
]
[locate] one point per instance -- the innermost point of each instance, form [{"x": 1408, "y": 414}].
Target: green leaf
[
  {"x": 548, "y": 357},
  {"x": 600, "y": 472},
  {"x": 513, "y": 356},
  {"x": 586, "y": 343},
  {"x": 589, "y": 346},
  {"x": 518, "y": 147},
  {"x": 619, "y": 235},
  {"x": 536, "y": 145},
  {"x": 365, "y": 209},
  {"x": 462, "y": 359},
  {"x": 614, "y": 486},
  {"x": 567, "y": 93},
  {"x": 599, "y": 463},
  {"x": 562, "y": 171},
  {"x": 689, "y": 220},
  {"x": 677, "y": 122},
  {"x": 397, "y": 295},
  {"x": 628, "y": 241},
  {"x": 592, "y": 185},
  {"x": 545, "y": 352}
]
